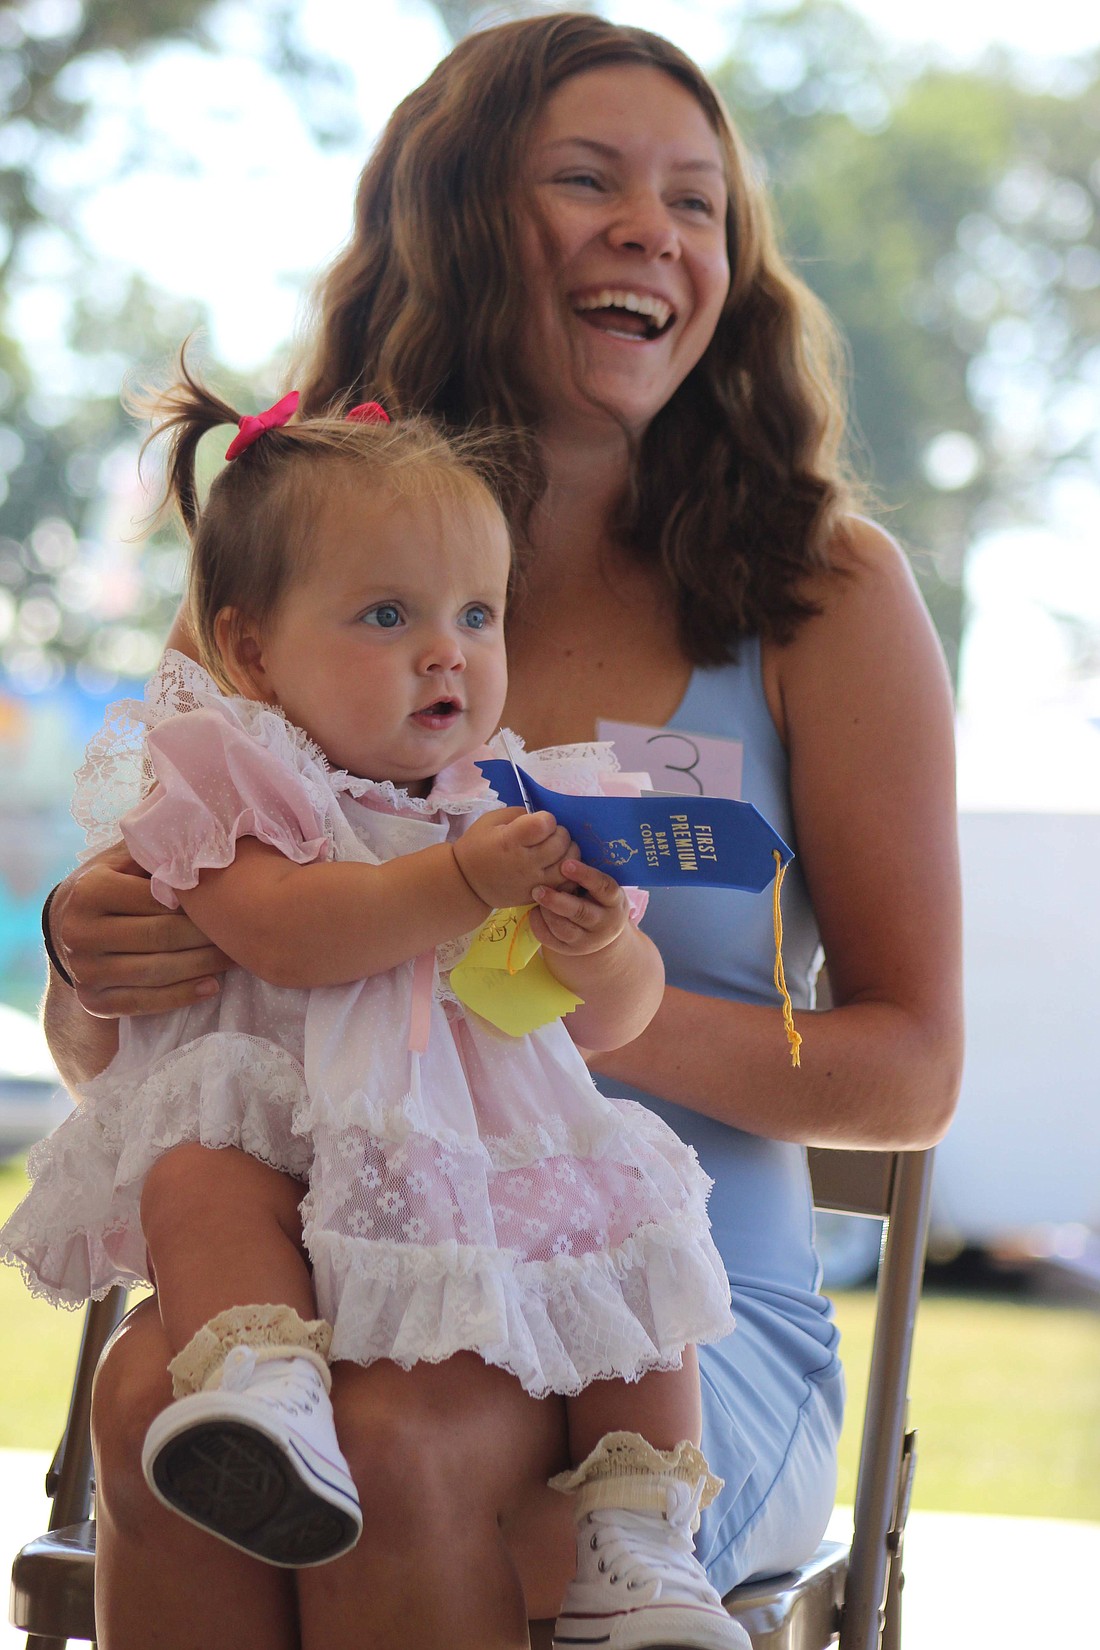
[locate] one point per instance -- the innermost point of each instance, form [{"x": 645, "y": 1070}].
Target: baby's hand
[
  {"x": 577, "y": 926},
  {"x": 507, "y": 854}
]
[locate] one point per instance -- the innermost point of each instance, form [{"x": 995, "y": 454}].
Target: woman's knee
[
  {"x": 131, "y": 1388},
  {"x": 443, "y": 1436}
]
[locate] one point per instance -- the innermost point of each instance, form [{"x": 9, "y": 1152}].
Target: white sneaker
[
  {"x": 256, "y": 1462},
  {"x": 639, "y": 1585}
]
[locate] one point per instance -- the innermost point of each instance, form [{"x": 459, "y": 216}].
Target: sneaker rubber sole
[
  {"x": 671, "y": 1627},
  {"x": 263, "y": 1495}
]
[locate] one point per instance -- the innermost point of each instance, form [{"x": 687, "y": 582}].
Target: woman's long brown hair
[{"x": 738, "y": 484}]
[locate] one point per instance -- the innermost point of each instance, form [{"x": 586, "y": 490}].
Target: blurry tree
[
  {"x": 62, "y": 600},
  {"x": 948, "y": 218}
]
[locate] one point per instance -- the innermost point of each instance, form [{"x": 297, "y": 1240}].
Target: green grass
[
  {"x": 1006, "y": 1395},
  {"x": 38, "y": 1352}
]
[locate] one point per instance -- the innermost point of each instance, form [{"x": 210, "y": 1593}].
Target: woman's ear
[{"x": 240, "y": 646}]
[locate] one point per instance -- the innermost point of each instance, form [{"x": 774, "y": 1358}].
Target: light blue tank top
[{"x": 721, "y": 943}]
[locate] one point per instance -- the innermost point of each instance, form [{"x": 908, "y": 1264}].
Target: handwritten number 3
[{"x": 689, "y": 769}]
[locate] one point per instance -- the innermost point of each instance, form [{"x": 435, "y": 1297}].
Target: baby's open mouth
[
  {"x": 624, "y": 313},
  {"x": 440, "y": 710}
]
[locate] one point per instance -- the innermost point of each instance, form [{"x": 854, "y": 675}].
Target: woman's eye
[
  {"x": 477, "y": 617},
  {"x": 387, "y": 616},
  {"x": 697, "y": 203},
  {"x": 587, "y": 180}
]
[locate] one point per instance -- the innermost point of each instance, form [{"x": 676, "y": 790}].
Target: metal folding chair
[{"x": 851, "y": 1593}]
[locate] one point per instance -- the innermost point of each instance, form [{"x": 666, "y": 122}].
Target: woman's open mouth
[
  {"x": 622, "y": 313},
  {"x": 439, "y": 715}
]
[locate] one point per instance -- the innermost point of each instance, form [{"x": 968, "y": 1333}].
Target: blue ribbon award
[{"x": 656, "y": 841}]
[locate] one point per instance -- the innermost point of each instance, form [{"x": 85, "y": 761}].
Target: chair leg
[
  {"x": 37, "y": 1641},
  {"x": 895, "y": 1542},
  {"x": 891, "y": 1631}
]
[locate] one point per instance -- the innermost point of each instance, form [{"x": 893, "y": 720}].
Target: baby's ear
[{"x": 240, "y": 647}]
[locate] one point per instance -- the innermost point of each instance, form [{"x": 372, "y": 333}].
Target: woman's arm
[
  {"x": 126, "y": 955},
  {"x": 862, "y": 701}
]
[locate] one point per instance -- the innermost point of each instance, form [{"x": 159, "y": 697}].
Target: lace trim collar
[{"x": 182, "y": 685}]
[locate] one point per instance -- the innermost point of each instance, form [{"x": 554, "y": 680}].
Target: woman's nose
[{"x": 644, "y": 224}]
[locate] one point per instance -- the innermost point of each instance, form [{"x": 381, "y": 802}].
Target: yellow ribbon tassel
[{"x": 793, "y": 1038}]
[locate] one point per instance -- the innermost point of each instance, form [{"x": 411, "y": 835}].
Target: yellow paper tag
[{"x": 504, "y": 978}]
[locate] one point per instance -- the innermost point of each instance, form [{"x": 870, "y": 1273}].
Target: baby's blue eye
[
  {"x": 476, "y": 617},
  {"x": 386, "y": 616}
]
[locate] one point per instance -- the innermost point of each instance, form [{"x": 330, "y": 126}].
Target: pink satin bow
[
  {"x": 368, "y": 412},
  {"x": 251, "y": 428}
]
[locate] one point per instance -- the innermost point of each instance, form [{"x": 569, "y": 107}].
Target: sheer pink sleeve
[{"x": 214, "y": 784}]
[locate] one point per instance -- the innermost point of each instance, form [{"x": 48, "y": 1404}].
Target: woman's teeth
[{"x": 653, "y": 314}]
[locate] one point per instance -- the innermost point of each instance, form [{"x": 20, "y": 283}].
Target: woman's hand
[
  {"x": 125, "y": 952},
  {"x": 505, "y": 855}
]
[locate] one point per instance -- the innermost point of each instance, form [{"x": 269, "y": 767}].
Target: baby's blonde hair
[{"x": 250, "y": 538}]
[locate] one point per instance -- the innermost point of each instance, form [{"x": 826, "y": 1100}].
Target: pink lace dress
[{"x": 482, "y": 1195}]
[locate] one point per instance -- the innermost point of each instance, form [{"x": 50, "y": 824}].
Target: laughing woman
[{"x": 559, "y": 235}]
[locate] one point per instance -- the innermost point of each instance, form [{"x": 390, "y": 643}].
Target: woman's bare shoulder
[
  {"x": 863, "y": 558},
  {"x": 872, "y": 632}
]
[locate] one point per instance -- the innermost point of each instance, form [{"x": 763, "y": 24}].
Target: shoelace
[
  {"x": 634, "y": 1549},
  {"x": 242, "y": 1370}
]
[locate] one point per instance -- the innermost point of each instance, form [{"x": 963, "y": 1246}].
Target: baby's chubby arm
[
  {"x": 332, "y": 922},
  {"x": 591, "y": 946}
]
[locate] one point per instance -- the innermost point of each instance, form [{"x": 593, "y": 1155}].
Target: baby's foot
[
  {"x": 254, "y": 1460},
  {"x": 639, "y": 1585}
]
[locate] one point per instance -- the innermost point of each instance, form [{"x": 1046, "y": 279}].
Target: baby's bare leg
[
  {"x": 222, "y": 1230},
  {"x": 663, "y": 1407}
]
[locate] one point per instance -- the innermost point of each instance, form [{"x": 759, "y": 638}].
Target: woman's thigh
[
  {"x": 770, "y": 1430},
  {"x": 147, "y": 1558},
  {"x": 462, "y": 1540}
]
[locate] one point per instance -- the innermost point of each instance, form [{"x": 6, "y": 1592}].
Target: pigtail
[{"x": 182, "y": 414}]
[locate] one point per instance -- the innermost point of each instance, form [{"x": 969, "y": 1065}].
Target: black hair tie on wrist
[{"x": 58, "y": 965}]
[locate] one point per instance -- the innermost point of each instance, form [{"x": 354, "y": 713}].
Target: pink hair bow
[
  {"x": 251, "y": 428},
  {"x": 368, "y": 412}
]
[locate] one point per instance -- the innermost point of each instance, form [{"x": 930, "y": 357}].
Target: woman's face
[{"x": 627, "y": 178}]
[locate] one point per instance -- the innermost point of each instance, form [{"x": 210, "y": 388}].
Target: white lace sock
[
  {"x": 639, "y": 1585},
  {"x": 269, "y": 1330}
]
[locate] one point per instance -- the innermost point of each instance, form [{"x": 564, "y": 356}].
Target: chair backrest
[{"x": 895, "y": 1186}]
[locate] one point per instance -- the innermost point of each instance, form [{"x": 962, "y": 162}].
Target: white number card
[{"x": 680, "y": 763}]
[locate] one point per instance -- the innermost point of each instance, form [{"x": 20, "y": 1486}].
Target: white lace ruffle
[
  {"x": 573, "y": 769},
  {"x": 555, "y": 1326},
  {"x": 79, "y": 1229}
]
